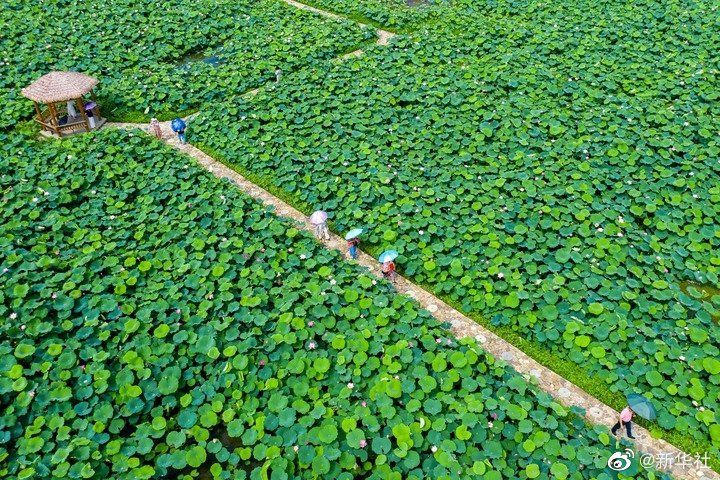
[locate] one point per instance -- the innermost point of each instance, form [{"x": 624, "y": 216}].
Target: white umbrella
[{"x": 318, "y": 217}]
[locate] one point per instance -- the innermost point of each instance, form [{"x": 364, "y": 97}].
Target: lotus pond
[
  {"x": 548, "y": 168},
  {"x": 138, "y": 50},
  {"x": 159, "y": 324},
  {"x": 396, "y": 15}
]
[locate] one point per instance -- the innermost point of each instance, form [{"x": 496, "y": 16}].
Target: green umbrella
[{"x": 641, "y": 406}]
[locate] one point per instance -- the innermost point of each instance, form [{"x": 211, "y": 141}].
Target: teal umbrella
[
  {"x": 354, "y": 233},
  {"x": 388, "y": 256},
  {"x": 641, "y": 406}
]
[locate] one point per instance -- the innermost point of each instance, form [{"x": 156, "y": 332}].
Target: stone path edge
[{"x": 567, "y": 393}]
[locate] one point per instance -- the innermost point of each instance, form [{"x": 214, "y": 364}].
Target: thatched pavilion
[{"x": 68, "y": 104}]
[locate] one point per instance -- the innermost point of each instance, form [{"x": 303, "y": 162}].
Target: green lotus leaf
[
  {"x": 711, "y": 365},
  {"x": 559, "y": 470},
  {"x": 24, "y": 350},
  {"x": 196, "y": 456}
]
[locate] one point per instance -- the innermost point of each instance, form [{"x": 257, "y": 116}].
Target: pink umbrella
[{"x": 318, "y": 217}]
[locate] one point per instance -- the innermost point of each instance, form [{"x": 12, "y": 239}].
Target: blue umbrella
[
  {"x": 354, "y": 233},
  {"x": 388, "y": 256},
  {"x": 178, "y": 125},
  {"x": 642, "y": 406}
]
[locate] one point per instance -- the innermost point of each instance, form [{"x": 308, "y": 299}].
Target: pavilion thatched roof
[{"x": 59, "y": 87}]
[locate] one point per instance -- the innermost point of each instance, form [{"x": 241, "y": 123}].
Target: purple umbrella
[
  {"x": 318, "y": 217},
  {"x": 90, "y": 105}
]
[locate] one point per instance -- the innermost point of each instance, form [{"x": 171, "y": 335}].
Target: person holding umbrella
[
  {"x": 625, "y": 420},
  {"x": 388, "y": 265},
  {"x": 89, "y": 107},
  {"x": 637, "y": 404},
  {"x": 178, "y": 126},
  {"x": 353, "y": 241},
  {"x": 319, "y": 222}
]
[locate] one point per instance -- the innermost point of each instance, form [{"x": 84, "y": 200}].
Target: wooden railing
[{"x": 78, "y": 123}]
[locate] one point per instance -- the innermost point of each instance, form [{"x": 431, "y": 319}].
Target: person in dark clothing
[{"x": 624, "y": 420}]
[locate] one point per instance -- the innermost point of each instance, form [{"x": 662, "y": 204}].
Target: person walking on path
[
  {"x": 319, "y": 223},
  {"x": 388, "y": 270},
  {"x": 353, "y": 248},
  {"x": 353, "y": 241},
  {"x": 625, "y": 420},
  {"x": 387, "y": 267},
  {"x": 155, "y": 128},
  {"x": 178, "y": 126}
]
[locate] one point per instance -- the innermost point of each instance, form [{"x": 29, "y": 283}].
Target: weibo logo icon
[{"x": 621, "y": 461}]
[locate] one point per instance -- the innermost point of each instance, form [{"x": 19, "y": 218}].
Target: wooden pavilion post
[
  {"x": 38, "y": 111},
  {"x": 54, "y": 122},
  {"x": 81, "y": 105}
]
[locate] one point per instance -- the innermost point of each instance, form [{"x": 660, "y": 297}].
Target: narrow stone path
[
  {"x": 384, "y": 36},
  {"x": 564, "y": 391}
]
